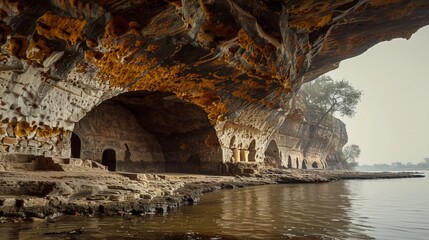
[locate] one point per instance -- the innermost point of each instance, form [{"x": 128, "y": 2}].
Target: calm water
[{"x": 355, "y": 209}]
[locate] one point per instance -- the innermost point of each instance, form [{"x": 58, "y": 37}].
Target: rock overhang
[{"x": 240, "y": 61}]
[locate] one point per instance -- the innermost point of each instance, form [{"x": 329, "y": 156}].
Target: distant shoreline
[
  {"x": 374, "y": 168},
  {"x": 47, "y": 195}
]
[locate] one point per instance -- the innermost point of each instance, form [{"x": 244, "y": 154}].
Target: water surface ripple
[{"x": 354, "y": 209}]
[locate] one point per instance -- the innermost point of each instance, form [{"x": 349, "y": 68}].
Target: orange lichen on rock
[
  {"x": 46, "y": 132},
  {"x": 152, "y": 48},
  {"x": 91, "y": 43},
  {"x": 38, "y": 49},
  {"x": 161, "y": 78},
  {"x": 216, "y": 112},
  {"x": 120, "y": 65},
  {"x": 259, "y": 56},
  {"x": 311, "y": 24},
  {"x": 209, "y": 101},
  {"x": 10, "y": 141},
  {"x": 93, "y": 56},
  {"x": 2, "y": 131},
  {"x": 21, "y": 129},
  {"x": 205, "y": 99},
  {"x": 243, "y": 94},
  {"x": 54, "y": 26},
  {"x": 17, "y": 46},
  {"x": 114, "y": 67}
]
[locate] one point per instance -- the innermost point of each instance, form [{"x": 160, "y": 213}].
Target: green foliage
[
  {"x": 351, "y": 152},
  {"x": 331, "y": 96},
  {"x": 346, "y": 159}
]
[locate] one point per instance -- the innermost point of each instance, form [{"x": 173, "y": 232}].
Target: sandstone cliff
[
  {"x": 303, "y": 143},
  {"x": 238, "y": 62}
]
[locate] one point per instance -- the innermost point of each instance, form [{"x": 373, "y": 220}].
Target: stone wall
[
  {"x": 110, "y": 126},
  {"x": 193, "y": 152}
]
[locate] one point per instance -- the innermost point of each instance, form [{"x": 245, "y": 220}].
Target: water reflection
[
  {"x": 312, "y": 210},
  {"x": 340, "y": 210}
]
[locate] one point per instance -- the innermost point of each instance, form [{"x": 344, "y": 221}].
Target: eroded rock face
[
  {"x": 240, "y": 61},
  {"x": 305, "y": 140}
]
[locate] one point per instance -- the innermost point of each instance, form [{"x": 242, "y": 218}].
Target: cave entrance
[
  {"x": 182, "y": 130},
  {"x": 289, "y": 162},
  {"x": 109, "y": 159},
  {"x": 272, "y": 155},
  {"x": 75, "y": 146},
  {"x": 297, "y": 163}
]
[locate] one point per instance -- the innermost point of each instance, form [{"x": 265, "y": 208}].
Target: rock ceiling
[{"x": 241, "y": 61}]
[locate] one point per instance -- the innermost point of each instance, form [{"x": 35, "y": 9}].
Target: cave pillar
[
  {"x": 244, "y": 155},
  {"x": 236, "y": 154}
]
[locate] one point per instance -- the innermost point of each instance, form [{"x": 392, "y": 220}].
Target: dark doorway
[
  {"x": 297, "y": 164},
  {"x": 289, "y": 162},
  {"x": 315, "y": 165},
  {"x": 252, "y": 151},
  {"x": 75, "y": 146},
  {"x": 304, "y": 164},
  {"x": 109, "y": 159},
  {"x": 272, "y": 155}
]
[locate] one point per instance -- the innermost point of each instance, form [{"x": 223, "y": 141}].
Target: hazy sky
[{"x": 392, "y": 120}]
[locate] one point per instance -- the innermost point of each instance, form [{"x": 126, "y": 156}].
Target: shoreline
[{"x": 43, "y": 196}]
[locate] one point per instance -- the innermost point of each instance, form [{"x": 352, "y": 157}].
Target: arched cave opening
[
  {"x": 252, "y": 151},
  {"x": 272, "y": 155},
  {"x": 108, "y": 159},
  {"x": 154, "y": 132},
  {"x": 315, "y": 165},
  {"x": 304, "y": 164},
  {"x": 289, "y": 162},
  {"x": 297, "y": 163},
  {"x": 75, "y": 146}
]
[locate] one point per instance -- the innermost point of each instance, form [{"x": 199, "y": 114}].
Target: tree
[
  {"x": 346, "y": 158},
  {"x": 331, "y": 96},
  {"x": 351, "y": 152}
]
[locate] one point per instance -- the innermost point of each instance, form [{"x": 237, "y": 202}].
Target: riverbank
[{"x": 45, "y": 195}]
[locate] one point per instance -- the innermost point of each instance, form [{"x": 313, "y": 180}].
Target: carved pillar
[
  {"x": 236, "y": 154},
  {"x": 244, "y": 155}
]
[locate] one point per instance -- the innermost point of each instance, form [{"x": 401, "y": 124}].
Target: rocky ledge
[{"x": 49, "y": 194}]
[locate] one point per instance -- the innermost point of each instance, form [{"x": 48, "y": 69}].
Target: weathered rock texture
[
  {"x": 240, "y": 62},
  {"x": 305, "y": 140},
  {"x": 111, "y": 127},
  {"x": 46, "y": 195}
]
